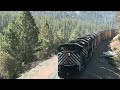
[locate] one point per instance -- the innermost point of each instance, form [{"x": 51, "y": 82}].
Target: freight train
[{"x": 73, "y": 56}]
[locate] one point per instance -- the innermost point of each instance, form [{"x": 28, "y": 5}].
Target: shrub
[{"x": 9, "y": 67}]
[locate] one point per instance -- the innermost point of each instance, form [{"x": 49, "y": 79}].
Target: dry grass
[{"x": 115, "y": 44}]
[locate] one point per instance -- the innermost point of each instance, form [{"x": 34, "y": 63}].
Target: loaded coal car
[
  {"x": 70, "y": 59},
  {"x": 106, "y": 34},
  {"x": 114, "y": 32}
]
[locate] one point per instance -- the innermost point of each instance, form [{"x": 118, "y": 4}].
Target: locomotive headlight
[
  {"x": 59, "y": 53},
  {"x": 68, "y": 54}
]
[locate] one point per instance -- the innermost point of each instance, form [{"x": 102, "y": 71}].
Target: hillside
[
  {"x": 30, "y": 36},
  {"x": 87, "y": 19},
  {"x": 95, "y": 16}
]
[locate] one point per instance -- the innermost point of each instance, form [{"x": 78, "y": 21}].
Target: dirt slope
[{"x": 44, "y": 70}]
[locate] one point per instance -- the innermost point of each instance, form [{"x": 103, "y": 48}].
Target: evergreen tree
[
  {"x": 10, "y": 61},
  {"x": 47, "y": 37},
  {"x": 28, "y": 32}
]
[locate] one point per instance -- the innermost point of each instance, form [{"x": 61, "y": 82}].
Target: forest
[{"x": 27, "y": 36}]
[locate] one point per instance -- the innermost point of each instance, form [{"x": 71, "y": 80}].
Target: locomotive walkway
[{"x": 96, "y": 68}]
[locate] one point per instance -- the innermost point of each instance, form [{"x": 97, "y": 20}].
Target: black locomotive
[{"x": 73, "y": 56}]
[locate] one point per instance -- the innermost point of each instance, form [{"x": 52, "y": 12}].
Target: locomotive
[{"x": 73, "y": 56}]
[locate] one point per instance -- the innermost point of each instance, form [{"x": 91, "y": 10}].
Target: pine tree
[
  {"x": 28, "y": 32},
  {"x": 10, "y": 62},
  {"x": 48, "y": 39}
]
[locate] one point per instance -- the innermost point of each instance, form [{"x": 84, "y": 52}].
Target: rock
[
  {"x": 116, "y": 37},
  {"x": 109, "y": 54},
  {"x": 30, "y": 65}
]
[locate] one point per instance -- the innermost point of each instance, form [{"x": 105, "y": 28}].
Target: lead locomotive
[{"x": 73, "y": 56}]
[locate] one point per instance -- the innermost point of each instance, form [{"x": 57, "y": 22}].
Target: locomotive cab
[
  {"x": 71, "y": 47},
  {"x": 69, "y": 59}
]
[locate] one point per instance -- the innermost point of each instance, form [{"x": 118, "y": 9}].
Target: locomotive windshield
[{"x": 69, "y": 47}]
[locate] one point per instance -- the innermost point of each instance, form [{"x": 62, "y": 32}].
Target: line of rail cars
[{"x": 73, "y": 56}]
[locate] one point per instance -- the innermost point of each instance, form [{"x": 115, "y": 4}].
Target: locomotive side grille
[
  {"x": 85, "y": 52},
  {"x": 64, "y": 59},
  {"x": 86, "y": 42}
]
